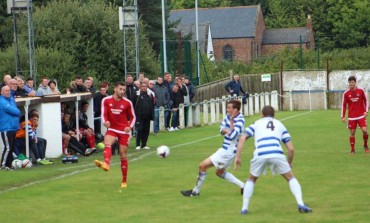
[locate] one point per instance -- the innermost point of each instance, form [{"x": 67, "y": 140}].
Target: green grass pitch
[{"x": 335, "y": 184}]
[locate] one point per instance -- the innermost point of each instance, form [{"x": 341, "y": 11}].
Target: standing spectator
[
  {"x": 9, "y": 124},
  {"x": 141, "y": 77},
  {"x": 6, "y": 80},
  {"x": 144, "y": 109},
  {"x": 137, "y": 84},
  {"x": 86, "y": 131},
  {"x": 162, "y": 99},
  {"x": 44, "y": 88},
  {"x": 29, "y": 87},
  {"x": 130, "y": 88},
  {"x": 98, "y": 97},
  {"x": 151, "y": 85},
  {"x": 21, "y": 91},
  {"x": 186, "y": 100},
  {"x": 149, "y": 89},
  {"x": 167, "y": 82},
  {"x": 191, "y": 89},
  {"x": 78, "y": 86},
  {"x": 53, "y": 87},
  {"x": 179, "y": 91},
  {"x": 92, "y": 88},
  {"x": 234, "y": 86},
  {"x": 88, "y": 84}
]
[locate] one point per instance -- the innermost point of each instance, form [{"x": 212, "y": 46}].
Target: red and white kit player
[
  {"x": 355, "y": 98},
  {"x": 119, "y": 117}
]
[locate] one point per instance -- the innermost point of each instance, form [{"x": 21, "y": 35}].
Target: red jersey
[
  {"x": 120, "y": 114},
  {"x": 357, "y": 103}
]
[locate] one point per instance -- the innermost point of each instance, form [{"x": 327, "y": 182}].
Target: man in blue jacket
[
  {"x": 234, "y": 86},
  {"x": 9, "y": 124}
]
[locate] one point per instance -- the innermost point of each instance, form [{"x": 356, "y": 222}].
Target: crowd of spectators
[{"x": 146, "y": 95}]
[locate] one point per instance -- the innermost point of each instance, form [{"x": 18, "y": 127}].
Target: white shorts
[
  {"x": 278, "y": 165},
  {"x": 222, "y": 158}
]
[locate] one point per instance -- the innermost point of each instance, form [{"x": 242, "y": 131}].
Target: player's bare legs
[
  {"x": 124, "y": 164},
  {"x": 365, "y": 136},
  {"x": 352, "y": 140},
  {"x": 108, "y": 142}
]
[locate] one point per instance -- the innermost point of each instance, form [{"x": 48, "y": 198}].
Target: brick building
[{"x": 239, "y": 33}]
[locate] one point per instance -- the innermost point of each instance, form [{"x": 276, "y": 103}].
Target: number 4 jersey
[{"x": 268, "y": 134}]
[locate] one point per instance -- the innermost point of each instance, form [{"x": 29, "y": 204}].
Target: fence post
[
  {"x": 213, "y": 111},
  {"x": 290, "y": 100},
  {"x": 250, "y": 104},
  {"x": 245, "y": 107},
  {"x": 181, "y": 116},
  {"x": 256, "y": 103},
  {"x": 262, "y": 101},
  {"x": 205, "y": 112},
  {"x": 240, "y": 98},
  {"x": 161, "y": 118},
  {"x": 325, "y": 101},
  {"x": 223, "y": 106},
  {"x": 217, "y": 109},
  {"x": 190, "y": 116},
  {"x": 274, "y": 100},
  {"x": 151, "y": 127},
  {"x": 267, "y": 98},
  {"x": 196, "y": 116}
]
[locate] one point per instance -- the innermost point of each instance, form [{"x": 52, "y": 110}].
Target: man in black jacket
[
  {"x": 80, "y": 87},
  {"x": 144, "y": 111},
  {"x": 178, "y": 93},
  {"x": 130, "y": 88},
  {"x": 98, "y": 97}
]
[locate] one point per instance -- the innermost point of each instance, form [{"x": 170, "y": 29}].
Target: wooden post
[
  {"x": 223, "y": 106},
  {"x": 267, "y": 98},
  {"x": 256, "y": 103},
  {"x": 262, "y": 101},
  {"x": 190, "y": 116},
  {"x": 250, "y": 104},
  {"x": 213, "y": 111},
  {"x": 181, "y": 116},
  {"x": 217, "y": 109},
  {"x": 205, "y": 112},
  {"x": 161, "y": 118}
]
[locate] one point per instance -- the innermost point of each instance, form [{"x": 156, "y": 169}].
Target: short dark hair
[
  {"x": 268, "y": 111},
  {"x": 52, "y": 82},
  {"x": 236, "y": 104},
  {"x": 33, "y": 113},
  {"x": 119, "y": 83},
  {"x": 78, "y": 77},
  {"x": 29, "y": 79},
  {"x": 83, "y": 103},
  {"x": 352, "y": 78}
]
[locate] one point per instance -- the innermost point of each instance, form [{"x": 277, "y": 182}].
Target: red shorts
[
  {"x": 352, "y": 124},
  {"x": 123, "y": 139}
]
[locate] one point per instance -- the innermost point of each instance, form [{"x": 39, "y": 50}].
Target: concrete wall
[
  {"x": 304, "y": 80},
  {"x": 338, "y": 80}
]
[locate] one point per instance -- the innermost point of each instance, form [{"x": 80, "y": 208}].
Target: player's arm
[
  {"x": 104, "y": 113},
  {"x": 344, "y": 107},
  {"x": 366, "y": 104},
  {"x": 132, "y": 116},
  {"x": 290, "y": 148},
  {"x": 237, "y": 160}
]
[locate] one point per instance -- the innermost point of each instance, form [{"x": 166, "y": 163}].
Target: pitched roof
[
  {"x": 190, "y": 29},
  {"x": 285, "y": 35},
  {"x": 227, "y": 22}
]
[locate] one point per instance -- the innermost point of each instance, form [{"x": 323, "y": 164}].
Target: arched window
[{"x": 228, "y": 52}]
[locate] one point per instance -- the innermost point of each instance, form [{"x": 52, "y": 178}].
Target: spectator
[
  {"x": 167, "y": 82},
  {"x": 186, "y": 100},
  {"x": 178, "y": 93},
  {"x": 98, "y": 97},
  {"x": 13, "y": 85},
  {"x": 44, "y": 88},
  {"x": 88, "y": 84},
  {"x": 21, "y": 91},
  {"x": 86, "y": 131},
  {"x": 92, "y": 88},
  {"x": 144, "y": 109},
  {"x": 234, "y": 86},
  {"x": 150, "y": 91},
  {"x": 53, "y": 87},
  {"x": 70, "y": 136},
  {"x": 6, "y": 80},
  {"x": 137, "y": 84},
  {"x": 162, "y": 100},
  {"x": 141, "y": 77},
  {"x": 29, "y": 87},
  {"x": 37, "y": 145},
  {"x": 190, "y": 88},
  {"x": 130, "y": 88},
  {"x": 9, "y": 125},
  {"x": 151, "y": 85},
  {"x": 79, "y": 85}
]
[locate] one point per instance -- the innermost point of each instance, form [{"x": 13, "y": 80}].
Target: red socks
[
  {"x": 124, "y": 168},
  {"x": 107, "y": 154},
  {"x": 365, "y": 137},
  {"x": 352, "y": 142},
  {"x": 90, "y": 139}
]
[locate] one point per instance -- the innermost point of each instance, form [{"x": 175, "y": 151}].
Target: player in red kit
[
  {"x": 355, "y": 98},
  {"x": 118, "y": 117}
]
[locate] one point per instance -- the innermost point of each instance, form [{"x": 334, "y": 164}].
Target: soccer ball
[
  {"x": 100, "y": 145},
  {"x": 163, "y": 151},
  {"x": 17, "y": 164},
  {"x": 26, "y": 163}
]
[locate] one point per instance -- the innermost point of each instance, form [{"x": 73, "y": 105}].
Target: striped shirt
[
  {"x": 231, "y": 139},
  {"x": 268, "y": 133}
]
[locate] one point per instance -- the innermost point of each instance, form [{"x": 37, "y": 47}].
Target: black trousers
[
  {"x": 143, "y": 129},
  {"x": 76, "y": 146},
  {"x": 9, "y": 145}
]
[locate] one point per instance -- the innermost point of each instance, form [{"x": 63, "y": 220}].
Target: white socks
[
  {"x": 201, "y": 178},
  {"x": 295, "y": 187},
  {"x": 247, "y": 194},
  {"x": 232, "y": 179}
]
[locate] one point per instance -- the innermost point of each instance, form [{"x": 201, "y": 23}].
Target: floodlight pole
[
  {"x": 197, "y": 40},
  {"x": 164, "y": 36}
]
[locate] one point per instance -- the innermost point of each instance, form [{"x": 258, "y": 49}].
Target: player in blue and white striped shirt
[
  {"x": 231, "y": 128},
  {"x": 268, "y": 133}
]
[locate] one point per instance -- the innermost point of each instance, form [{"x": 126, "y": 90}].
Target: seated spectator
[
  {"x": 44, "y": 88},
  {"x": 37, "y": 145},
  {"x": 6, "y": 80},
  {"x": 53, "y": 87},
  {"x": 13, "y": 85},
  {"x": 21, "y": 91},
  {"x": 31, "y": 91},
  {"x": 79, "y": 85},
  {"x": 86, "y": 131},
  {"x": 70, "y": 136}
]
